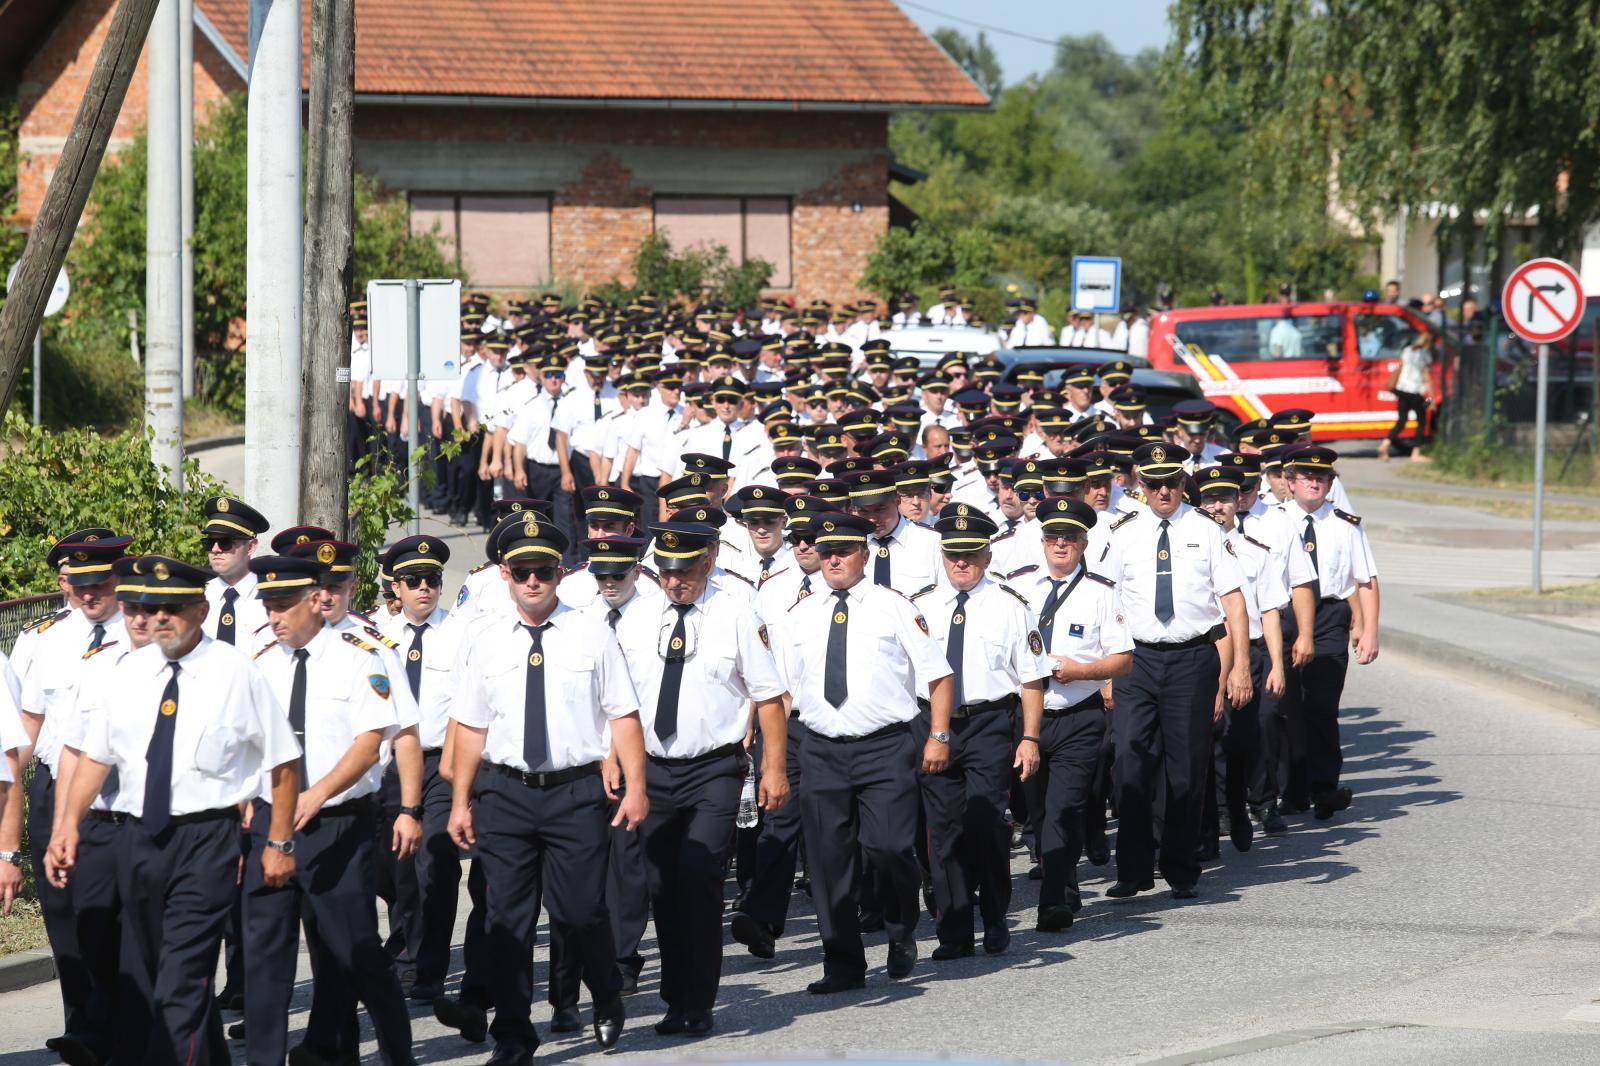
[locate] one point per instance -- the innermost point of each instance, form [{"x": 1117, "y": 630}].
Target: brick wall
[{"x": 53, "y": 84}]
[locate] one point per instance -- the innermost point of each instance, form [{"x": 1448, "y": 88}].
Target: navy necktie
[
  {"x": 880, "y": 565},
  {"x": 727, "y": 439},
  {"x": 1309, "y": 539},
  {"x": 1164, "y": 611},
  {"x": 230, "y": 597},
  {"x": 1047, "y": 615},
  {"x": 834, "y": 687},
  {"x": 535, "y": 727},
  {"x": 414, "y": 659},
  {"x": 805, "y": 585},
  {"x": 297, "y": 709},
  {"x": 613, "y": 616},
  {"x": 158, "y": 759},
  {"x": 955, "y": 648},
  {"x": 672, "y": 677},
  {"x": 99, "y": 636}
]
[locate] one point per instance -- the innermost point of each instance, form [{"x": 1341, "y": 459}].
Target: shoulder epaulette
[
  {"x": 1220, "y": 520},
  {"x": 741, "y": 577},
  {"x": 367, "y": 618},
  {"x": 923, "y": 591},
  {"x": 651, "y": 574},
  {"x": 351, "y": 638},
  {"x": 1106, "y": 581},
  {"x": 1020, "y": 597},
  {"x": 92, "y": 652},
  {"x": 268, "y": 648},
  {"x": 480, "y": 566},
  {"x": 1256, "y": 542},
  {"x": 727, "y": 545},
  {"x": 263, "y": 625},
  {"x": 1353, "y": 519},
  {"x": 45, "y": 621},
  {"x": 381, "y": 639},
  {"x": 1002, "y": 536},
  {"x": 1124, "y": 520},
  {"x": 1019, "y": 571}
]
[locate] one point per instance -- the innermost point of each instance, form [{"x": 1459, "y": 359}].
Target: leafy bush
[
  {"x": 377, "y": 501},
  {"x": 697, "y": 273},
  {"x": 52, "y": 483}
]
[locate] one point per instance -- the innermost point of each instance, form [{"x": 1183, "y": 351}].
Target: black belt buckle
[{"x": 114, "y": 817}]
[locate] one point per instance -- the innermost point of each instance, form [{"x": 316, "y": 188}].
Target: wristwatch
[
  {"x": 941, "y": 735},
  {"x": 415, "y": 812},
  {"x": 13, "y": 857},
  {"x": 1034, "y": 739},
  {"x": 285, "y": 847}
]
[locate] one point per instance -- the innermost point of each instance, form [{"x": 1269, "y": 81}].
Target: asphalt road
[{"x": 1451, "y": 913}]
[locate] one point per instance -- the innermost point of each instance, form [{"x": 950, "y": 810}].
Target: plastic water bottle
[{"x": 748, "y": 812}]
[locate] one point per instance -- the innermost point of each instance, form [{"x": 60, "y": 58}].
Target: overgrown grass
[
  {"x": 23, "y": 929},
  {"x": 1500, "y": 466},
  {"x": 1554, "y": 511}
]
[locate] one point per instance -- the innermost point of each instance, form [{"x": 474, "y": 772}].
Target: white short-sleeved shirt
[
  {"x": 534, "y": 427},
  {"x": 1263, "y": 573},
  {"x": 73, "y": 727},
  {"x": 50, "y": 688},
  {"x": 890, "y": 657},
  {"x": 1000, "y": 650},
  {"x": 230, "y": 727},
  {"x": 482, "y": 592},
  {"x": 581, "y": 591},
  {"x": 249, "y": 617},
  {"x": 727, "y": 665},
  {"x": 915, "y": 558},
  {"x": 1016, "y": 548},
  {"x": 405, "y": 708},
  {"x": 1088, "y": 625},
  {"x": 12, "y": 733},
  {"x": 1343, "y": 553},
  {"x": 783, "y": 588},
  {"x": 1203, "y": 571},
  {"x": 440, "y": 645},
  {"x": 586, "y": 685},
  {"x": 348, "y": 693},
  {"x": 654, "y": 434}
]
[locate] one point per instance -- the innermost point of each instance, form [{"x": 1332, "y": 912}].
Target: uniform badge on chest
[{"x": 1075, "y": 629}]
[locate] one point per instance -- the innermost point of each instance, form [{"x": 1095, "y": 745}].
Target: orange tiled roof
[{"x": 864, "y": 52}]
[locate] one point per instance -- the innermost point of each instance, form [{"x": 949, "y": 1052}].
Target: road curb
[
  {"x": 1494, "y": 671},
  {"x": 206, "y": 444},
  {"x": 25, "y": 968}
]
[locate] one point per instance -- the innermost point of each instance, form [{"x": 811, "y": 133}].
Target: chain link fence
[{"x": 16, "y": 614}]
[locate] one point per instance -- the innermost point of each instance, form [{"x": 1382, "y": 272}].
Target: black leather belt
[
  {"x": 689, "y": 760},
  {"x": 348, "y": 809},
  {"x": 230, "y": 814},
  {"x": 114, "y": 817},
  {"x": 1328, "y": 600},
  {"x": 550, "y": 779},
  {"x": 1093, "y": 702},
  {"x": 886, "y": 731},
  {"x": 972, "y": 710},
  {"x": 1176, "y": 645},
  {"x": 432, "y": 751}
]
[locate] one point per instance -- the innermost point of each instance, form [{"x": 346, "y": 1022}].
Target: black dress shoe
[
  {"x": 469, "y": 1019},
  {"x": 230, "y": 998},
  {"x": 1328, "y": 804},
  {"x": 902, "y": 957},
  {"x": 311, "y": 1055},
  {"x": 946, "y": 952},
  {"x": 1272, "y": 822},
  {"x": 833, "y": 983},
  {"x": 511, "y": 1055},
  {"x": 996, "y": 938},
  {"x": 630, "y": 980},
  {"x": 566, "y": 1020},
  {"x": 1054, "y": 919},
  {"x": 1208, "y": 851},
  {"x": 236, "y": 1031},
  {"x": 1242, "y": 833},
  {"x": 872, "y": 923},
  {"x": 1184, "y": 892},
  {"x": 608, "y": 1019},
  {"x": 756, "y": 938},
  {"x": 73, "y": 1050},
  {"x": 1097, "y": 854},
  {"x": 425, "y": 992},
  {"x": 698, "y": 1023},
  {"x": 1125, "y": 889},
  {"x": 1036, "y": 872},
  {"x": 674, "y": 1023}
]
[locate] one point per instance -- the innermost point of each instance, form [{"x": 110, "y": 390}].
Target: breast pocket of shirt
[
  {"x": 503, "y": 684},
  {"x": 722, "y": 670},
  {"x": 578, "y": 681},
  {"x": 996, "y": 653},
  {"x": 328, "y": 726},
  {"x": 220, "y": 748}
]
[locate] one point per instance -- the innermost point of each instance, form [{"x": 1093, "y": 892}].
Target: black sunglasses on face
[
  {"x": 221, "y": 544},
  {"x": 520, "y": 574},
  {"x": 414, "y": 581},
  {"x": 1173, "y": 482}
]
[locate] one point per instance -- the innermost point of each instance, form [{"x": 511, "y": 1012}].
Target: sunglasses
[
  {"x": 1030, "y": 494},
  {"x": 520, "y": 574},
  {"x": 221, "y": 544},
  {"x": 416, "y": 581},
  {"x": 1156, "y": 484}
]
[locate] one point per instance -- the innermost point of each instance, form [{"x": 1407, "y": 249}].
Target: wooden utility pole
[
  {"x": 58, "y": 216},
  {"x": 329, "y": 250}
]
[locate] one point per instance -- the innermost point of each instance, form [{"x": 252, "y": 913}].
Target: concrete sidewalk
[{"x": 1430, "y": 554}]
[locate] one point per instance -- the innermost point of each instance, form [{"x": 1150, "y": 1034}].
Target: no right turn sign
[{"x": 1543, "y": 300}]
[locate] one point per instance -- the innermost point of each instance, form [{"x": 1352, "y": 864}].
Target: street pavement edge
[{"x": 26, "y": 968}]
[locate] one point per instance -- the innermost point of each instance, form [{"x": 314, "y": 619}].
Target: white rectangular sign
[
  {"x": 1096, "y": 283},
  {"x": 439, "y": 319}
]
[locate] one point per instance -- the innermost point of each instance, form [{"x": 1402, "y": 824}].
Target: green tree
[
  {"x": 974, "y": 57},
  {"x": 1485, "y": 105}
]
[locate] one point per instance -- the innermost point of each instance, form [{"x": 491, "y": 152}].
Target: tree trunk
[
  {"x": 58, "y": 216},
  {"x": 329, "y": 236}
]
